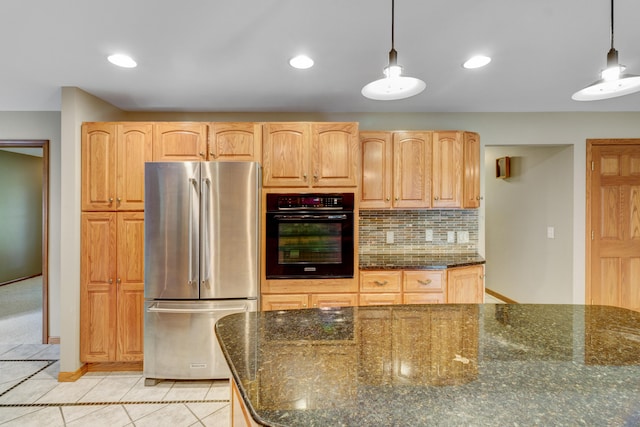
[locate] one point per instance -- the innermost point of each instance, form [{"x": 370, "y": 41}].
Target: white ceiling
[{"x": 215, "y": 55}]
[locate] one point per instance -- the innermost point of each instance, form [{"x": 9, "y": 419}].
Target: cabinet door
[
  {"x": 98, "y": 166},
  {"x": 134, "y": 148},
  {"x": 333, "y": 300},
  {"x": 285, "y": 155},
  {"x": 284, "y": 302},
  {"x": 471, "y": 187},
  {"x": 377, "y": 172},
  {"x": 97, "y": 287},
  {"x": 412, "y": 169},
  {"x": 447, "y": 170},
  {"x": 241, "y": 141},
  {"x": 179, "y": 142},
  {"x": 334, "y": 154},
  {"x": 130, "y": 285},
  {"x": 465, "y": 285}
]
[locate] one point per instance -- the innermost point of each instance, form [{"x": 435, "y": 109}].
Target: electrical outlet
[
  {"x": 451, "y": 236},
  {"x": 463, "y": 236},
  {"x": 551, "y": 232},
  {"x": 390, "y": 237},
  {"x": 428, "y": 235}
]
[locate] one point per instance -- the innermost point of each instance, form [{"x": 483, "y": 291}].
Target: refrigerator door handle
[
  {"x": 206, "y": 230},
  {"x": 193, "y": 187},
  {"x": 156, "y": 308}
]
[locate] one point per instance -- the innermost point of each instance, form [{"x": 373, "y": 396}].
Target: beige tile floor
[{"x": 30, "y": 395}]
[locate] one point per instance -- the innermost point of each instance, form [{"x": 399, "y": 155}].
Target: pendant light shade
[
  {"x": 393, "y": 85},
  {"x": 613, "y": 82}
]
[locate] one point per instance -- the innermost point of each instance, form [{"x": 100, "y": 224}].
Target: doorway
[{"x": 43, "y": 147}]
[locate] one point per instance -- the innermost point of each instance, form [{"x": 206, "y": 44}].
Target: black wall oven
[{"x": 309, "y": 236}]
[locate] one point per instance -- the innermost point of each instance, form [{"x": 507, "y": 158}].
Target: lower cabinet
[
  {"x": 297, "y": 301},
  {"x": 112, "y": 287},
  {"x": 465, "y": 285}
]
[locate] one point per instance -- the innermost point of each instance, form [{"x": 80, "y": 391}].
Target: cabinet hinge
[
  {"x": 593, "y": 235},
  {"x": 593, "y": 166}
]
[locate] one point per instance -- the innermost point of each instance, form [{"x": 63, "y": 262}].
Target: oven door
[{"x": 309, "y": 245}]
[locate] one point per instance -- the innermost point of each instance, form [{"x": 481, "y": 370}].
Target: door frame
[
  {"x": 589, "y": 198},
  {"x": 44, "y": 145}
]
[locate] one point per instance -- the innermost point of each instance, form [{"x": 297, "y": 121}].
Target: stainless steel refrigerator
[{"x": 201, "y": 262}]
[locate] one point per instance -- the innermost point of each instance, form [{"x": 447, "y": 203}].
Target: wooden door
[
  {"x": 98, "y": 166},
  {"x": 471, "y": 184},
  {"x": 412, "y": 169},
  {"x": 465, "y": 285},
  {"x": 134, "y": 148},
  {"x": 285, "y": 155},
  {"x": 239, "y": 141},
  {"x": 377, "y": 170},
  {"x": 334, "y": 154},
  {"x": 179, "y": 141},
  {"x": 98, "y": 287},
  {"x": 613, "y": 218},
  {"x": 130, "y": 286},
  {"x": 447, "y": 170}
]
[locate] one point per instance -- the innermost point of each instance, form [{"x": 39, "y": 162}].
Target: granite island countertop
[
  {"x": 419, "y": 365},
  {"x": 417, "y": 261}
]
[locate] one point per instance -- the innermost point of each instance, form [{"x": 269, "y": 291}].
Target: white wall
[
  {"x": 77, "y": 107},
  {"x": 43, "y": 125},
  {"x": 495, "y": 129},
  {"x": 523, "y": 263}
]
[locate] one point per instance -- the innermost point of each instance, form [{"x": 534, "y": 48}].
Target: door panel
[{"x": 613, "y": 204}]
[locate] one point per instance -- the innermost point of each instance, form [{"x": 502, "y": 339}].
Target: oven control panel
[{"x": 341, "y": 201}]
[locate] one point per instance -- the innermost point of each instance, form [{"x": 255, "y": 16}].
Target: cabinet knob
[
  {"x": 305, "y": 176},
  {"x": 110, "y": 200},
  {"x": 478, "y": 198},
  {"x": 304, "y": 305},
  {"x": 118, "y": 281},
  {"x": 315, "y": 177},
  {"x": 388, "y": 198},
  {"x": 201, "y": 154},
  {"x": 110, "y": 281},
  {"x": 397, "y": 198},
  {"x": 436, "y": 198},
  {"x": 119, "y": 199},
  {"x": 212, "y": 154}
]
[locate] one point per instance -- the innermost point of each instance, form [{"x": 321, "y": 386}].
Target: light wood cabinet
[
  {"x": 465, "y": 285},
  {"x": 447, "y": 169},
  {"x": 299, "y": 301},
  {"x": 308, "y": 155},
  {"x": 420, "y": 169},
  {"x": 412, "y": 163},
  {"x": 235, "y": 141},
  {"x": 179, "y": 141},
  {"x": 366, "y": 299},
  {"x": 471, "y": 182},
  {"x": 380, "y": 281},
  {"x": 113, "y": 157},
  {"x": 376, "y": 178},
  {"x": 424, "y": 287},
  {"x": 111, "y": 286}
]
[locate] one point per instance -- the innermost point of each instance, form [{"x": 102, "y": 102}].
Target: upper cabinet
[
  {"x": 241, "y": 141},
  {"x": 179, "y": 141},
  {"x": 420, "y": 169},
  {"x": 113, "y": 157},
  {"x": 307, "y": 155}
]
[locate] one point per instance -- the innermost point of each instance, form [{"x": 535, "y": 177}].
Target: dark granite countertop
[
  {"x": 417, "y": 261},
  {"x": 451, "y": 365}
]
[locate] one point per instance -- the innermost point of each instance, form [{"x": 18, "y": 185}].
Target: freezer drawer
[{"x": 180, "y": 341}]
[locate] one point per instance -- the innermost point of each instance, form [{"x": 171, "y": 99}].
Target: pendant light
[
  {"x": 394, "y": 85},
  {"x": 613, "y": 82}
]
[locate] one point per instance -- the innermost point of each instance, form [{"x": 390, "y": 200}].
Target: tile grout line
[
  {"x": 49, "y": 363},
  {"x": 149, "y": 402}
]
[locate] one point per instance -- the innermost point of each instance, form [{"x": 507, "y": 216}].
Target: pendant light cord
[
  {"x": 611, "y": 24},
  {"x": 393, "y": 21}
]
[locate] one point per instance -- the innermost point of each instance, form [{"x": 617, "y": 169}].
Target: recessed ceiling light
[
  {"x": 124, "y": 61},
  {"x": 476, "y": 62},
  {"x": 301, "y": 62}
]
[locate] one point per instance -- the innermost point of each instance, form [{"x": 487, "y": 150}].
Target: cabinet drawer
[
  {"x": 380, "y": 299},
  {"x": 333, "y": 300},
  {"x": 284, "y": 302},
  {"x": 424, "y": 298},
  {"x": 424, "y": 281},
  {"x": 380, "y": 281}
]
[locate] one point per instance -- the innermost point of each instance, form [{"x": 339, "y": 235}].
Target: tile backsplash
[{"x": 408, "y": 230}]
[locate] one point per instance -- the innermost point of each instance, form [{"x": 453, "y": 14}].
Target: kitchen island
[{"x": 417, "y": 365}]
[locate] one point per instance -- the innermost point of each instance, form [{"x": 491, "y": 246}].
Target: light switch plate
[
  {"x": 428, "y": 235},
  {"x": 551, "y": 232},
  {"x": 451, "y": 236},
  {"x": 390, "y": 237},
  {"x": 463, "y": 237}
]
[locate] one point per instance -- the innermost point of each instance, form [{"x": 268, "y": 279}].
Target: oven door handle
[{"x": 319, "y": 217}]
